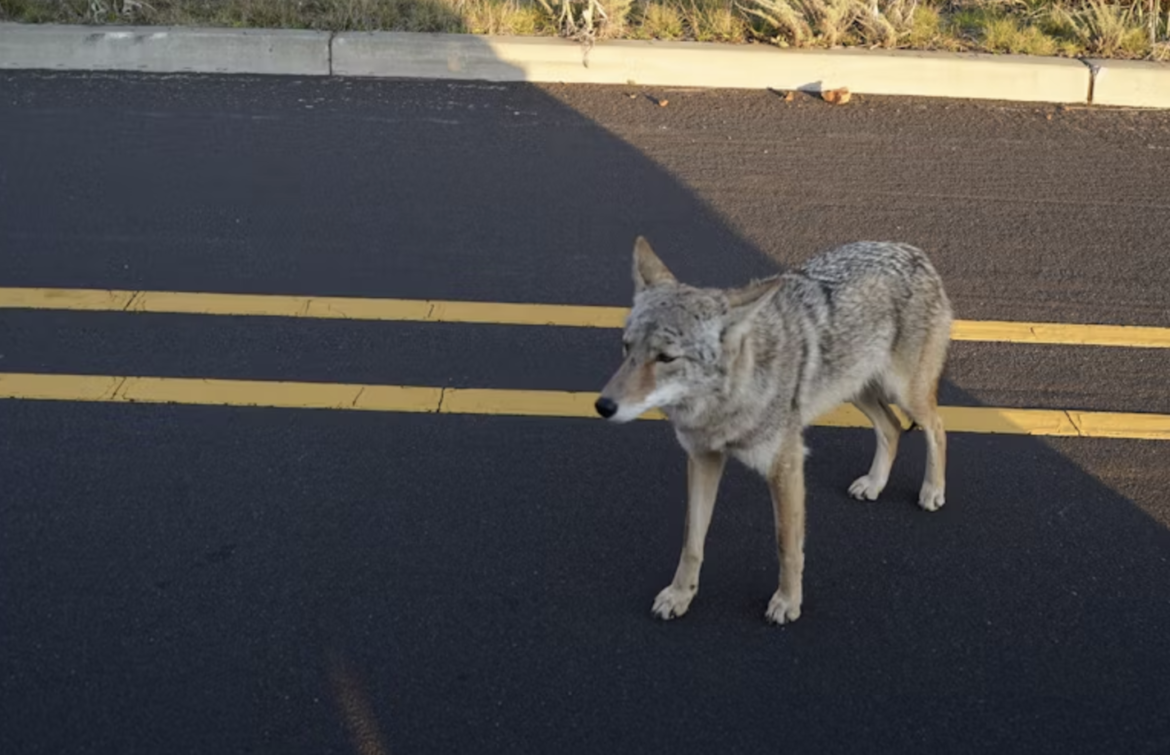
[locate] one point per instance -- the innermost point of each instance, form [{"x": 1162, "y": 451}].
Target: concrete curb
[
  {"x": 699, "y": 64},
  {"x": 543, "y": 59},
  {"x": 164, "y": 49},
  {"x": 1131, "y": 83}
]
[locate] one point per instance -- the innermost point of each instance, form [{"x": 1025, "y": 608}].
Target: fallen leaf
[
  {"x": 836, "y": 96},
  {"x": 663, "y": 103},
  {"x": 789, "y": 96}
]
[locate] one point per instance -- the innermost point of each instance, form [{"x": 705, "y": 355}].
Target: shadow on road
[{"x": 176, "y": 577}]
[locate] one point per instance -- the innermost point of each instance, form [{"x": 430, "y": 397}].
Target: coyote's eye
[{"x": 666, "y": 358}]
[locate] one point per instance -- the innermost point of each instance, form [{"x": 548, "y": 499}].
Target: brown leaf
[
  {"x": 789, "y": 96},
  {"x": 836, "y": 96},
  {"x": 663, "y": 103}
]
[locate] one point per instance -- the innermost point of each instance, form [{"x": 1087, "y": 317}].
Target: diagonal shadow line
[{"x": 506, "y": 582}]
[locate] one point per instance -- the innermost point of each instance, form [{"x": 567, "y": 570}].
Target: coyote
[{"x": 744, "y": 371}]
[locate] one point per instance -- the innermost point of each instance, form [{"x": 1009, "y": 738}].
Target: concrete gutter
[{"x": 544, "y": 59}]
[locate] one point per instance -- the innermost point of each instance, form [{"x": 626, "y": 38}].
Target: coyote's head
[{"x": 679, "y": 343}]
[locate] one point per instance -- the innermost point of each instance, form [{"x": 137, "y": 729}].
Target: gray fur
[{"x": 867, "y": 322}]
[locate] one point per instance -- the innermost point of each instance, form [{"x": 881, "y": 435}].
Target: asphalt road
[{"x": 194, "y": 579}]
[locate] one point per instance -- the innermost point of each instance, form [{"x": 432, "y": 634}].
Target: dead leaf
[
  {"x": 663, "y": 103},
  {"x": 789, "y": 96},
  {"x": 836, "y": 96}
]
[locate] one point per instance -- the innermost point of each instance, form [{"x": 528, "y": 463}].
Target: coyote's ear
[
  {"x": 648, "y": 269},
  {"x": 745, "y": 303}
]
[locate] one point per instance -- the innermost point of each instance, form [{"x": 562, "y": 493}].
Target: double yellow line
[
  {"x": 495, "y": 313},
  {"x": 396, "y": 398},
  {"x": 424, "y": 399}
]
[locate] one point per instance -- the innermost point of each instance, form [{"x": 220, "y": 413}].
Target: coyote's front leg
[
  {"x": 786, "y": 483},
  {"x": 704, "y": 470}
]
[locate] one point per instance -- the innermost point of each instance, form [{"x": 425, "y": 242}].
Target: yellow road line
[
  {"x": 1069, "y": 334},
  {"x": 496, "y": 313},
  {"x": 424, "y": 399},
  {"x": 314, "y": 307}
]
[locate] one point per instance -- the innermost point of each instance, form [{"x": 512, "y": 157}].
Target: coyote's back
[{"x": 880, "y": 314}]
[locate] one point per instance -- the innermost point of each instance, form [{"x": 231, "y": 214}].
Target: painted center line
[
  {"x": 502, "y": 313},
  {"x": 490, "y": 401}
]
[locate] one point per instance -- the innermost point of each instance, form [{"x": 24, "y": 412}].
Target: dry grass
[{"x": 1106, "y": 28}]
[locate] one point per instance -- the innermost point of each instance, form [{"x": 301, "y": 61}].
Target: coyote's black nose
[{"x": 606, "y": 407}]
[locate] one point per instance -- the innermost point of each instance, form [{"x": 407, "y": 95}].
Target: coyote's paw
[
  {"x": 782, "y": 609},
  {"x": 866, "y": 488},
  {"x": 931, "y": 498},
  {"x": 672, "y": 602}
]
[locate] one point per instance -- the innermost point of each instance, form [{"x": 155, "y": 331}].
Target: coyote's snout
[{"x": 742, "y": 372}]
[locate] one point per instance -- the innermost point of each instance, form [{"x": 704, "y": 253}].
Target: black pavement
[{"x": 192, "y": 579}]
